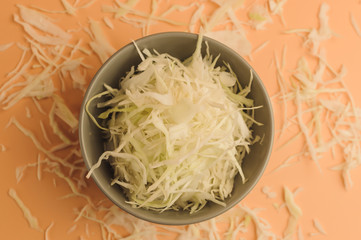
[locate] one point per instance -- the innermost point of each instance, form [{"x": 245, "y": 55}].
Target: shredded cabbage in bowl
[{"x": 178, "y": 131}]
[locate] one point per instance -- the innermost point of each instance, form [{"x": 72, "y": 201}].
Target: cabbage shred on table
[{"x": 178, "y": 131}]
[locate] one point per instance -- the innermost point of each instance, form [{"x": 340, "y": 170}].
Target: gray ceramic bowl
[{"x": 180, "y": 45}]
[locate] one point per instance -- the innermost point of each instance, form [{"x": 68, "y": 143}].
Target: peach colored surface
[{"x": 322, "y": 196}]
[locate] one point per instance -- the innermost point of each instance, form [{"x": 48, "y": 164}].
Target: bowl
[{"x": 180, "y": 45}]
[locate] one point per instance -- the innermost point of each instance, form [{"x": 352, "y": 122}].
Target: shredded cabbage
[
  {"x": 195, "y": 17},
  {"x": 100, "y": 44},
  {"x": 276, "y": 8},
  {"x": 234, "y": 39},
  {"x": 326, "y": 113},
  {"x": 38, "y": 20},
  {"x": 267, "y": 191},
  {"x": 46, "y": 233},
  {"x": 316, "y": 36},
  {"x": 295, "y": 213},
  {"x": 259, "y": 16},
  {"x": 178, "y": 131},
  {"x": 355, "y": 25},
  {"x": 319, "y": 227},
  {"x": 2, "y": 147},
  {"x": 33, "y": 221},
  {"x": 3, "y": 47},
  {"x": 108, "y": 22}
]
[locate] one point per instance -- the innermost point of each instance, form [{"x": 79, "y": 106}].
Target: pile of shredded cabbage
[{"x": 178, "y": 131}]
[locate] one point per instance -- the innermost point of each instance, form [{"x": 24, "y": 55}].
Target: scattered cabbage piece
[
  {"x": 295, "y": 213},
  {"x": 233, "y": 39},
  {"x": 114, "y": 219},
  {"x": 33, "y": 221},
  {"x": 56, "y": 129},
  {"x": 355, "y": 25},
  {"x": 219, "y": 15},
  {"x": 100, "y": 44},
  {"x": 38, "y": 20},
  {"x": 120, "y": 12},
  {"x": 237, "y": 221},
  {"x": 33, "y": 21},
  {"x": 40, "y": 147},
  {"x": 45, "y": 135},
  {"x": 39, "y": 86},
  {"x": 259, "y": 16},
  {"x": 69, "y": 9},
  {"x": 316, "y": 36},
  {"x": 179, "y": 8},
  {"x": 324, "y": 108},
  {"x": 46, "y": 233},
  {"x": 260, "y": 47},
  {"x": 195, "y": 17},
  {"x": 306, "y": 132},
  {"x": 72, "y": 186},
  {"x": 318, "y": 226},
  {"x": 19, "y": 171},
  {"x": 2, "y": 147},
  {"x": 141, "y": 19},
  {"x": 276, "y": 8},
  {"x": 267, "y": 190},
  {"x": 3, "y": 47},
  {"x": 262, "y": 226},
  {"x": 300, "y": 233},
  {"x": 178, "y": 131},
  {"x": 108, "y": 22},
  {"x": 74, "y": 69},
  {"x": 64, "y": 113}
]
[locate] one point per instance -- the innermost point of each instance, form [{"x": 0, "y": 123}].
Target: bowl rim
[{"x": 83, "y": 115}]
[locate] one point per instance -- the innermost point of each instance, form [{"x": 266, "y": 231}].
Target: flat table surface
[{"x": 328, "y": 197}]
